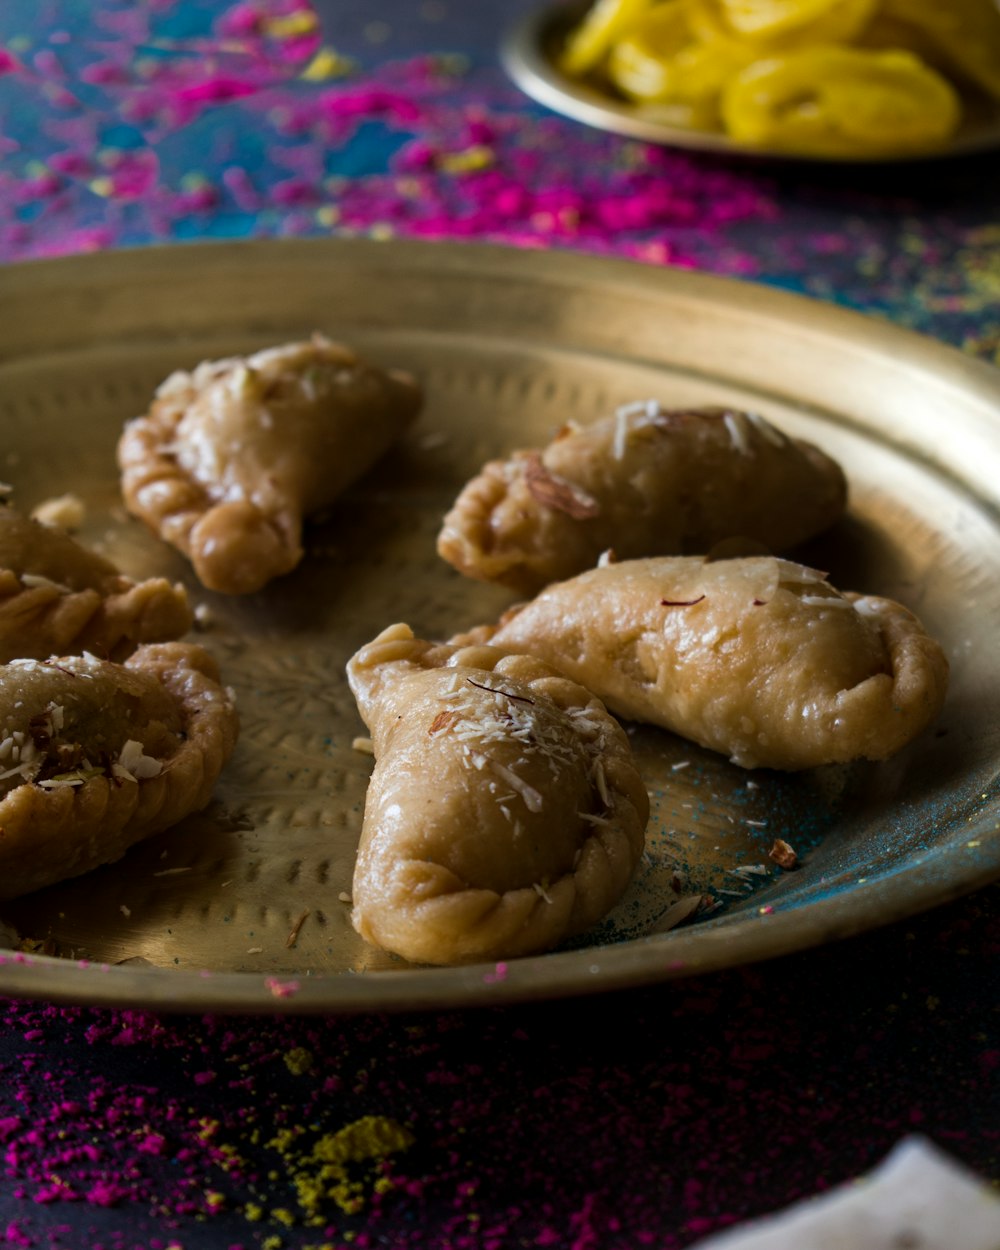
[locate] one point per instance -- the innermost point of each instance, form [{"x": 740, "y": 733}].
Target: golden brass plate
[
  {"x": 509, "y": 344},
  {"x": 529, "y": 54}
]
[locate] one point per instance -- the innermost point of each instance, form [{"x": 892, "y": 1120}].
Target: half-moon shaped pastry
[
  {"x": 504, "y": 813},
  {"x": 231, "y": 459},
  {"x": 758, "y": 658},
  {"x": 643, "y": 482},
  {"x": 57, "y": 597},
  {"x": 96, "y": 756}
]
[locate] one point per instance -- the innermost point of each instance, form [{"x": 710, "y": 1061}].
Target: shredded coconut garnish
[
  {"x": 134, "y": 764},
  {"x": 601, "y": 782},
  {"x": 648, "y": 412},
  {"x": 35, "y": 581},
  {"x": 634, "y": 408},
  {"x": 621, "y": 433},
  {"x": 593, "y": 819},
  {"x": 533, "y": 801},
  {"x": 866, "y": 607},
  {"x": 736, "y": 425},
  {"x": 21, "y": 770},
  {"x": 496, "y": 715},
  {"x": 825, "y": 601},
  {"x": 482, "y": 717}
]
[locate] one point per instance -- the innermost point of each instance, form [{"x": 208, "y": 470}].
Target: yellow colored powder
[
  {"x": 327, "y": 64},
  {"x": 477, "y": 157},
  {"x": 302, "y": 22},
  {"x": 298, "y": 1060},
  {"x": 322, "y": 1173}
]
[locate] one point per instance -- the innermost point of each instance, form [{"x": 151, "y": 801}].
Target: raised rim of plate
[
  {"x": 524, "y": 55},
  {"x": 680, "y": 954},
  {"x": 727, "y": 941}
]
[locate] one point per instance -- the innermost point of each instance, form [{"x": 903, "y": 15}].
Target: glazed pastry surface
[
  {"x": 57, "y": 598},
  {"x": 643, "y": 482},
  {"x": 504, "y": 813},
  {"x": 95, "y": 756},
  {"x": 759, "y": 658},
  {"x": 231, "y": 459}
]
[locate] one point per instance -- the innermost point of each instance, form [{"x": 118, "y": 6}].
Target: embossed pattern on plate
[
  {"x": 242, "y": 907},
  {"x": 529, "y": 54}
]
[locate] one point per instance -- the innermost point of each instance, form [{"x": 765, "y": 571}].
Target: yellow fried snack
[
  {"x": 504, "y": 813},
  {"x": 96, "y": 756},
  {"x": 603, "y": 23},
  {"x": 658, "y": 60},
  {"x": 767, "y": 25},
  {"x": 828, "y": 79},
  {"x": 233, "y": 457},
  {"x": 963, "y": 34},
  {"x": 57, "y": 597},
  {"x": 758, "y": 658},
  {"x": 646, "y": 481},
  {"x": 838, "y": 101}
]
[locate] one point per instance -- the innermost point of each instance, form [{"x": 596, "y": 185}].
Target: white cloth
[{"x": 918, "y": 1198}]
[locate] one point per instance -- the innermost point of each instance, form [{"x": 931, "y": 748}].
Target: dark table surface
[{"x": 641, "y": 1118}]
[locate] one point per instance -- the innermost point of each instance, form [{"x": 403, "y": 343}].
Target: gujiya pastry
[
  {"x": 504, "y": 813},
  {"x": 645, "y": 481},
  {"x": 231, "y": 459},
  {"x": 758, "y": 657},
  {"x": 97, "y": 756},
  {"x": 57, "y": 597}
]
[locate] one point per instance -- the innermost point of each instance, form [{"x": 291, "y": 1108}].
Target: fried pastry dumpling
[
  {"x": 644, "y": 482},
  {"x": 759, "y": 658},
  {"x": 231, "y": 459},
  {"x": 58, "y": 597},
  {"x": 504, "y": 813},
  {"x": 95, "y": 756}
]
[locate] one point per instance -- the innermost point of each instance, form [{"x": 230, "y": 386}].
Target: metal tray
[
  {"x": 240, "y": 908},
  {"x": 529, "y": 54}
]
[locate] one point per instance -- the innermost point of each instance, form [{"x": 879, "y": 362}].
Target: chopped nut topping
[
  {"x": 783, "y": 854},
  {"x": 553, "y": 491},
  {"x": 296, "y": 929},
  {"x": 444, "y": 718}
]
